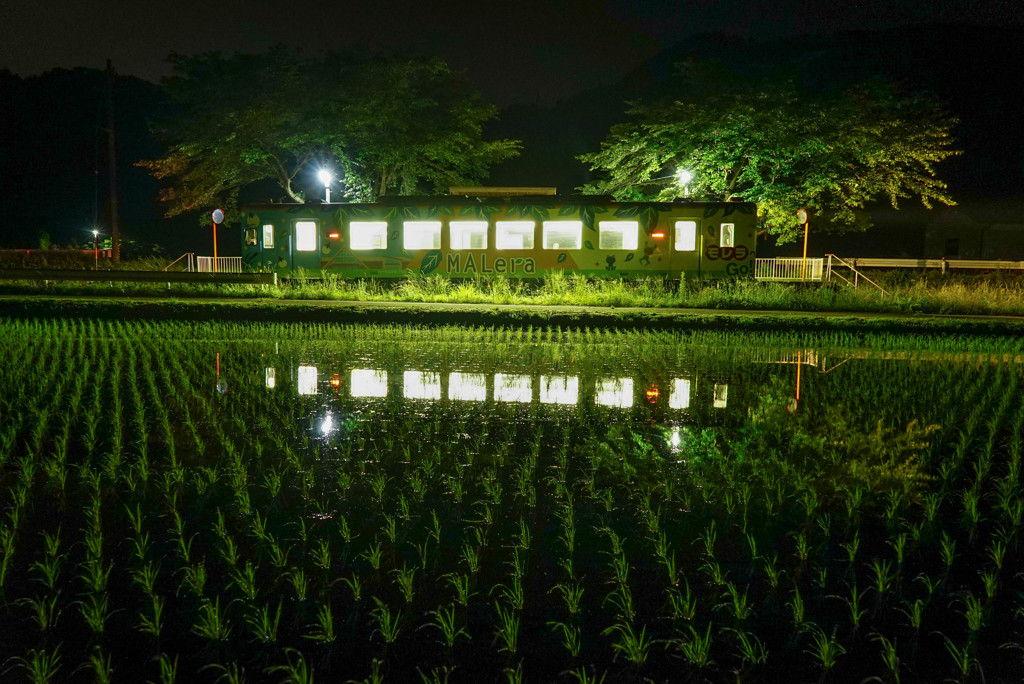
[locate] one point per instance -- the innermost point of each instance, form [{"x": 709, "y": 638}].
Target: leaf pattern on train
[
  {"x": 585, "y": 213},
  {"x": 431, "y": 260},
  {"x": 645, "y": 214}
]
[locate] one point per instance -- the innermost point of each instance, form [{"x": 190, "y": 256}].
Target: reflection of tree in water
[
  {"x": 825, "y": 449},
  {"x": 830, "y": 447}
]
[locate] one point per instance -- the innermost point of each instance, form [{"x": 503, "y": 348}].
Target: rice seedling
[
  {"x": 40, "y": 665},
  {"x": 212, "y": 623},
  {"x": 263, "y": 625},
  {"x": 825, "y": 649},
  {"x": 506, "y": 632}
]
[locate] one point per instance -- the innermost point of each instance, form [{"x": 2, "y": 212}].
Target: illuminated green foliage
[
  {"x": 767, "y": 142},
  {"x": 384, "y": 125}
]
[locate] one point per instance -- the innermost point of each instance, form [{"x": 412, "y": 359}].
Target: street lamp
[
  {"x": 326, "y": 177},
  {"x": 801, "y": 216},
  {"x": 684, "y": 177},
  {"x": 95, "y": 249}
]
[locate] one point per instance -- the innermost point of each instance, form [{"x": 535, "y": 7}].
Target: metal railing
[
  {"x": 941, "y": 264},
  {"x": 224, "y": 264},
  {"x": 788, "y": 269},
  {"x": 190, "y": 262},
  {"x": 855, "y": 276}
]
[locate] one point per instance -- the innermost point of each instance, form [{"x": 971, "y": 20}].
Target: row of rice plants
[{"x": 196, "y": 535}]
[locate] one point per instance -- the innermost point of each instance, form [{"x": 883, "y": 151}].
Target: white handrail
[
  {"x": 788, "y": 269},
  {"x": 189, "y": 267},
  {"x": 205, "y": 264}
]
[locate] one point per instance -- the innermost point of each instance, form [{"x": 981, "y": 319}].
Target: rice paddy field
[{"x": 289, "y": 503}]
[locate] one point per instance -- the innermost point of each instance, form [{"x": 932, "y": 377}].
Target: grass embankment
[{"x": 905, "y": 293}]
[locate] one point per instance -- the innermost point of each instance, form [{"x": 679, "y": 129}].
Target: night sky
[{"x": 531, "y": 51}]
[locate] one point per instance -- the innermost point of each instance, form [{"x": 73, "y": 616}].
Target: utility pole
[{"x": 115, "y": 229}]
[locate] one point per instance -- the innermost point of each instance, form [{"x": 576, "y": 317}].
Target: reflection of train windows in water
[
  {"x": 369, "y": 383},
  {"x": 617, "y": 392},
  {"x": 467, "y": 386},
  {"x": 721, "y": 395},
  {"x": 559, "y": 389},
  {"x": 307, "y": 380},
  {"x": 680, "y": 396},
  {"x": 513, "y": 388},
  {"x": 420, "y": 385}
]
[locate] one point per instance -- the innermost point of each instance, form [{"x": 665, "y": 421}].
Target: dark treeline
[{"x": 53, "y": 145}]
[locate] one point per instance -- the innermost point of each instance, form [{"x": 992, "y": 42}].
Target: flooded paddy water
[{"x": 259, "y": 502}]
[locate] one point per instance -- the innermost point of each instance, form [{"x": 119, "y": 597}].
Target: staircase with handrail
[{"x": 833, "y": 262}]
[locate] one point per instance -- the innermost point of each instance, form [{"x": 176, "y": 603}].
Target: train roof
[{"x": 417, "y": 200}]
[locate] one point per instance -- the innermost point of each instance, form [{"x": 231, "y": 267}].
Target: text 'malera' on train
[{"x": 515, "y": 232}]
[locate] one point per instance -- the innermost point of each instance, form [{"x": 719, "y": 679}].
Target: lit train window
[
  {"x": 268, "y": 236},
  {"x": 305, "y": 236},
  {"x": 468, "y": 234},
  {"x": 686, "y": 236},
  {"x": 728, "y": 233},
  {"x": 467, "y": 386},
  {"x": 559, "y": 389},
  {"x": 420, "y": 385},
  {"x": 680, "y": 397},
  {"x": 513, "y": 234},
  {"x": 563, "y": 234},
  {"x": 721, "y": 396},
  {"x": 369, "y": 383},
  {"x": 368, "y": 235},
  {"x": 421, "y": 235},
  {"x": 618, "y": 234},
  {"x": 513, "y": 388},
  {"x": 307, "y": 380},
  {"x": 616, "y": 392}
]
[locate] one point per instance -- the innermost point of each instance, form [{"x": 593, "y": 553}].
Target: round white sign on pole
[
  {"x": 801, "y": 216},
  {"x": 218, "y": 216}
]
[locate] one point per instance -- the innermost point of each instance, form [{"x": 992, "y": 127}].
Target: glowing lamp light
[
  {"x": 652, "y": 394},
  {"x": 335, "y": 382},
  {"x": 684, "y": 176},
  {"x": 334, "y": 235},
  {"x": 658, "y": 235},
  {"x": 326, "y": 177}
]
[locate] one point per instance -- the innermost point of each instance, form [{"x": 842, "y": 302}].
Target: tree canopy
[
  {"x": 831, "y": 153},
  {"x": 383, "y": 125}
]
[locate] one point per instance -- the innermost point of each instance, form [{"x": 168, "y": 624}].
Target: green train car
[{"x": 521, "y": 237}]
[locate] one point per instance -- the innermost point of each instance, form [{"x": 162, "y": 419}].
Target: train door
[
  {"x": 305, "y": 246},
  {"x": 686, "y": 246}
]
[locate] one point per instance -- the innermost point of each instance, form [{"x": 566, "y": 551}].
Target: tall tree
[
  {"x": 765, "y": 142},
  {"x": 389, "y": 125},
  {"x": 412, "y": 125}
]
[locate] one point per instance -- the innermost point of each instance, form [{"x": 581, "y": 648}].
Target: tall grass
[{"x": 926, "y": 293}]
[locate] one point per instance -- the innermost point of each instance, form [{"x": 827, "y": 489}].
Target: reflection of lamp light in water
[
  {"x": 222, "y": 385},
  {"x": 327, "y": 425},
  {"x": 676, "y": 439}
]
